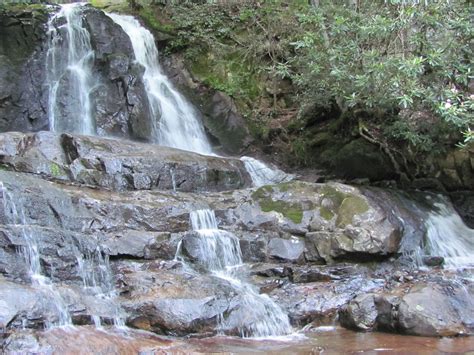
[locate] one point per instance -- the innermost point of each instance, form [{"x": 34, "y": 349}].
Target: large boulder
[
  {"x": 320, "y": 301},
  {"x": 337, "y": 221},
  {"x": 118, "y": 165},
  {"x": 23, "y": 97},
  {"x": 168, "y": 299},
  {"x": 434, "y": 308},
  {"x": 120, "y": 102}
]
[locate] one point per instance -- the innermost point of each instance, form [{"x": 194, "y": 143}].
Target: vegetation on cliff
[{"x": 393, "y": 74}]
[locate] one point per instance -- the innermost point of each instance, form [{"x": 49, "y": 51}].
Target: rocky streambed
[
  {"x": 324, "y": 253},
  {"x": 99, "y": 253}
]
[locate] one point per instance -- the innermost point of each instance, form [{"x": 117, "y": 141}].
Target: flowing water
[
  {"x": 98, "y": 281},
  {"x": 175, "y": 121},
  {"x": 262, "y": 174},
  {"x": 448, "y": 236},
  {"x": 256, "y": 315},
  {"x": 15, "y": 214},
  {"x": 93, "y": 268},
  {"x": 69, "y": 66},
  {"x": 69, "y": 63}
]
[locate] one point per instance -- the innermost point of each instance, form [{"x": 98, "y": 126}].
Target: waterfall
[
  {"x": 93, "y": 268},
  {"x": 261, "y": 174},
  {"x": 175, "y": 121},
  {"x": 69, "y": 65},
  {"x": 447, "y": 236},
  {"x": 97, "y": 279},
  {"x": 256, "y": 315},
  {"x": 15, "y": 215}
]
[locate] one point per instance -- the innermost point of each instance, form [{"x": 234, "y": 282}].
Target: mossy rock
[
  {"x": 350, "y": 206},
  {"x": 111, "y": 5},
  {"x": 292, "y": 211}
]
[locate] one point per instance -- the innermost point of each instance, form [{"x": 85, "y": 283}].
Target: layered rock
[
  {"x": 118, "y": 165},
  {"x": 293, "y": 225}
]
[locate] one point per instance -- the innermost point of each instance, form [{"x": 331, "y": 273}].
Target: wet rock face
[
  {"x": 23, "y": 98},
  {"x": 167, "y": 299},
  {"x": 220, "y": 115},
  {"x": 320, "y": 301},
  {"x": 335, "y": 221},
  {"x": 120, "y": 101},
  {"x": 439, "y": 308},
  {"x": 140, "y": 231},
  {"x": 118, "y": 165}
]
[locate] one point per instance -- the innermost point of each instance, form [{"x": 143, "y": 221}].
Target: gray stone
[
  {"x": 360, "y": 313},
  {"x": 433, "y": 260},
  {"x": 140, "y": 244},
  {"x": 287, "y": 250},
  {"x": 23, "y": 98},
  {"x": 320, "y": 301},
  {"x": 437, "y": 310},
  {"x": 118, "y": 165}
]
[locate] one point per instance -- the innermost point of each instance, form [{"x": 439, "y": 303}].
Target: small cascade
[
  {"x": 69, "y": 64},
  {"x": 262, "y": 174},
  {"x": 93, "y": 268},
  {"x": 257, "y": 315},
  {"x": 15, "y": 215},
  {"x": 447, "y": 236},
  {"x": 176, "y": 123},
  {"x": 97, "y": 280}
]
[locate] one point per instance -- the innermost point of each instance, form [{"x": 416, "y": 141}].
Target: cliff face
[
  {"x": 23, "y": 103},
  {"x": 118, "y": 98}
]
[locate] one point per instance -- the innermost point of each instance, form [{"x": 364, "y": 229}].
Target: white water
[
  {"x": 69, "y": 72},
  {"x": 97, "y": 279},
  {"x": 257, "y": 315},
  {"x": 175, "y": 121},
  {"x": 93, "y": 268},
  {"x": 449, "y": 237},
  {"x": 15, "y": 214},
  {"x": 262, "y": 174}
]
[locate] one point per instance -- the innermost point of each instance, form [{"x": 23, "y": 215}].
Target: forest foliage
[{"x": 401, "y": 70}]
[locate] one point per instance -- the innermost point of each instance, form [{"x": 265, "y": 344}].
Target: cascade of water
[
  {"x": 69, "y": 64},
  {"x": 203, "y": 219},
  {"x": 262, "y": 174},
  {"x": 449, "y": 237},
  {"x": 97, "y": 280},
  {"x": 176, "y": 123},
  {"x": 257, "y": 315},
  {"x": 15, "y": 215}
]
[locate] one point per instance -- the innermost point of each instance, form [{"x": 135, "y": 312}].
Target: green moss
[
  {"x": 337, "y": 197},
  {"x": 152, "y": 21},
  {"x": 111, "y": 5},
  {"x": 285, "y": 186},
  {"x": 292, "y": 211},
  {"x": 326, "y": 213},
  {"x": 350, "y": 206},
  {"x": 230, "y": 74},
  {"x": 56, "y": 170},
  {"x": 24, "y": 6},
  {"x": 262, "y": 192}
]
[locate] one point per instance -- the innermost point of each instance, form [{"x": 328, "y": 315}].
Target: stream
[{"x": 137, "y": 237}]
